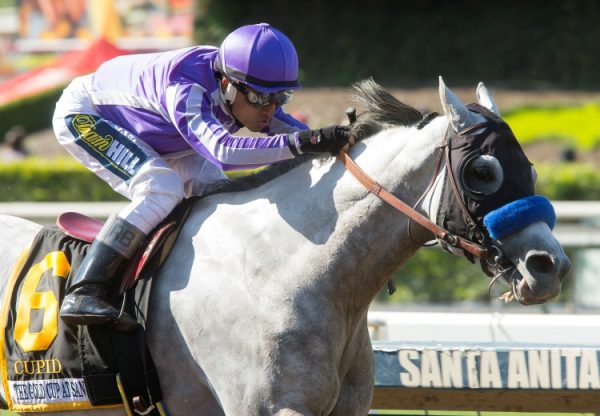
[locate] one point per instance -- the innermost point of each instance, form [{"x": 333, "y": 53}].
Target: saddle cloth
[{"x": 46, "y": 365}]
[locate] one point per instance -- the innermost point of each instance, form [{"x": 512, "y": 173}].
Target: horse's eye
[{"x": 482, "y": 175}]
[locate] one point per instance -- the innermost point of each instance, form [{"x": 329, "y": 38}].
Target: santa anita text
[{"x": 568, "y": 368}]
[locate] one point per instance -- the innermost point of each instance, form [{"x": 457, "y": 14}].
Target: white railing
[
  {"x": 46, "y": 212},
  {"x": 565, "y": 210},
  {"x": 578, "y": 221}
]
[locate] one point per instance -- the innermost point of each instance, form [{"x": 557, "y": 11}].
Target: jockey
[{"x": 159, "y": 127}]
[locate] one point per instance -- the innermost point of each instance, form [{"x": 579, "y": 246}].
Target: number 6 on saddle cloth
[{"x": 49, "y": 365}]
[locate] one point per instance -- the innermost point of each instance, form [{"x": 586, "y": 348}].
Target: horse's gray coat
[{"x": 261, "y": 308}]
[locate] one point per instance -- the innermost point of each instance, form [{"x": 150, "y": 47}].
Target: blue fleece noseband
[{"x": 519, "y": 214}]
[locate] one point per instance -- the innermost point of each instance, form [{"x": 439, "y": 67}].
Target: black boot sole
[{"x": 123, "y": 325}]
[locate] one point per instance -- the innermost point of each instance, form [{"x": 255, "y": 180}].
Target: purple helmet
[{"x": 261, "y": 57}]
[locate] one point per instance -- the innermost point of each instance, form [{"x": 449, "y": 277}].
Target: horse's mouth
[{"x": 522, "y": 291}]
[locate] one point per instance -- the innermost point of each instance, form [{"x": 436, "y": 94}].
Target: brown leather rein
[{"x": 376, "y": 189}]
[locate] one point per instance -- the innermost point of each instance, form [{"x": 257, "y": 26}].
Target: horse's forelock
[{"x": 382, "y": 110}]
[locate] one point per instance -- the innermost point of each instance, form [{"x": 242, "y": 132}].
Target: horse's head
[{"x": 489, "y": 198}]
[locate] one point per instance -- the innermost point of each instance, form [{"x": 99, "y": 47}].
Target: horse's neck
[
  {"x": 402, "y": 160},
  {"x": 342, "y": 238}
]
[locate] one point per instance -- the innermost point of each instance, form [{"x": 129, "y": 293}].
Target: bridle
[
  {"x": 378, "y": 190},
  {"x": 491, "y": 257}
]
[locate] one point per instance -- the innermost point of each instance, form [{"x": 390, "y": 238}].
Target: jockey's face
[
  {"x": 252, "y": 117},
  {"x": 255, "y": 118}
]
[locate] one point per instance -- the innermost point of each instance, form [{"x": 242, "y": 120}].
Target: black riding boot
[{"x": 106, "y": 259}]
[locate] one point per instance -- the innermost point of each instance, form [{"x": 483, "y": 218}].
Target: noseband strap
[{"x": 379, "y": 191}]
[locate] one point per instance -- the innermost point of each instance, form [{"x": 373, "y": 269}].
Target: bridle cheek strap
[{"x": 378, "y": 190}]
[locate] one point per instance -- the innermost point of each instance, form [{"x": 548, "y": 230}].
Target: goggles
[{"x": 263, "y": 99}]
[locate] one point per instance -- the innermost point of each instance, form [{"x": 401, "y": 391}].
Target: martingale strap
[{"x": 376, "y": 189}]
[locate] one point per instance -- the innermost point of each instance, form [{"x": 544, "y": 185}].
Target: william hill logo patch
[
  {"x": 106, "y": 144},
  {"x": 84, "y": 125}
]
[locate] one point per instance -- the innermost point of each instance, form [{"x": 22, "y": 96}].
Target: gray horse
[{"x": 261, "y": 308}]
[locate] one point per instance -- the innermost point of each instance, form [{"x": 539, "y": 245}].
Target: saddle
[
  {"x": 48, "y": 365},
  {"x": 84, "y": 228}
]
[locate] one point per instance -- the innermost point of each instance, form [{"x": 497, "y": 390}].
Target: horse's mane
[{"x": 382, "y": 111}]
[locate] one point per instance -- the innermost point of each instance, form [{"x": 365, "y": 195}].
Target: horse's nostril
[{"x": 540, "y": 263}]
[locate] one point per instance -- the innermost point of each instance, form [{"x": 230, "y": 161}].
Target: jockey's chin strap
[{"x": 378, "y": 190}]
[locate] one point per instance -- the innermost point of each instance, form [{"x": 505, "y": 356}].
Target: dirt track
[{"x": 324, "y": 106}]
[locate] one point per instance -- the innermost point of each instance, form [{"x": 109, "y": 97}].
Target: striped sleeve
[{"x": 191, "y": 111}]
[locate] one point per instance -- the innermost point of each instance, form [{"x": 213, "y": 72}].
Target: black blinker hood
[{"x": 496, "y": 140}]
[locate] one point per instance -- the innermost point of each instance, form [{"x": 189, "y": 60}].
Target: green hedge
[
  {"x": 568, "y": 181},
  {"x": 61, "y": 179},
  {"x": 576, "y": 126},
  {"x": 33, "y": 113}
]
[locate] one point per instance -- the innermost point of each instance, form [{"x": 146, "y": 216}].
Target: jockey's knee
[{"x": 154, "y": 200}]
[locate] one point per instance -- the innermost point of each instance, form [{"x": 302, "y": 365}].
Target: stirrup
[{"x": 86, "y": 308}]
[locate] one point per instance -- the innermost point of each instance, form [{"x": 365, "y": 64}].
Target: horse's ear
[
  {"x": 457, "y": 113},
  {"x": 485, "y": 99}
]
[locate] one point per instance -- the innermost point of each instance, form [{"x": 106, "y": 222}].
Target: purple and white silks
[{"x": 172, "y": 102}]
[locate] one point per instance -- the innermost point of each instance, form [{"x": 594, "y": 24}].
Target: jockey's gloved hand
[{"x": 328, "y": 139}]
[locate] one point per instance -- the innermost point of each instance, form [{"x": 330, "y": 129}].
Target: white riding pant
[{"x": 155, "y": 184}]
